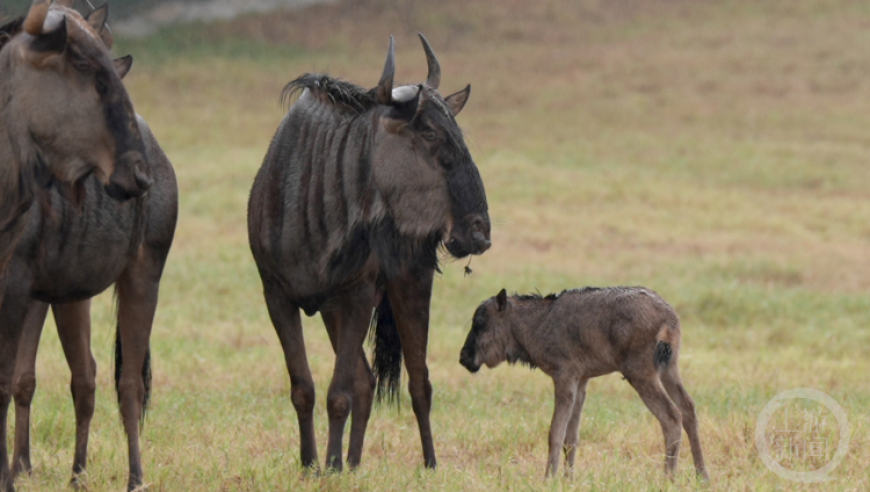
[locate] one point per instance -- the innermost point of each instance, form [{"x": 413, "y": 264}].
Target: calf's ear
[{"x": 501, "y": 300}]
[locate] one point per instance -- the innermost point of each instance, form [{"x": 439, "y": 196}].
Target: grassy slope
[{"x": 715, "y": 152}]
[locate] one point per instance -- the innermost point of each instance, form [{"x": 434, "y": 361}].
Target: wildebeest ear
[
  {"x": 97, "y": 18},
  {"x": 457, "y": 101},
  {"x": 501, "y": 300},
  {"x": 52, "y": 42},
  {"x": 123, "y": 64}
]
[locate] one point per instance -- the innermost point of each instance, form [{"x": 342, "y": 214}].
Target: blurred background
[{"x": 715, "y": 151}]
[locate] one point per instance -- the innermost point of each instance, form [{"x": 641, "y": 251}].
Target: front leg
[
  {"x": 12, "y": 313},
  {"x": 74, "y": 329},
  {"x": 410, "y": 294},
  {"x": 572, "y": 436},
  {"x": 25, "y": 384},
  {"x": 566, "y": 388}
]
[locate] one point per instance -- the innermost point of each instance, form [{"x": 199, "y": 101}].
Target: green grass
[{"x": 715, "y": 152}]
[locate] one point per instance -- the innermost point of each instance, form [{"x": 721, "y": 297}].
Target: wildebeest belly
[{"x": 76, "y": 253}]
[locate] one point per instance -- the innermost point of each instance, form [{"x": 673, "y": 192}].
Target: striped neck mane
[{"x": 342, "y": 95}]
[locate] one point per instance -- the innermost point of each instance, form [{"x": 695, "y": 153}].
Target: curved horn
[
  {"x": 434, "y": 68},
  {"x": 36, "y": 17},
  {"x": 385, "y": 86}
]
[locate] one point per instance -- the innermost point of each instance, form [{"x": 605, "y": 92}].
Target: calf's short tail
[{"x": 664, "y": 351}]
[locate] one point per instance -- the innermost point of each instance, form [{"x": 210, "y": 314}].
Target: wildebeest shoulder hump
[{"x": 343, "y": 95}]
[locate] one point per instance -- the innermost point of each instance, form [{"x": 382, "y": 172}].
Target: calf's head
[
  {"x": 422, "y": 166},
  {"x": 64, "y": 104},
  {"x": 490, "y": 340}
]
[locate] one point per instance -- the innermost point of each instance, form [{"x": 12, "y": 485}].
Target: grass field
[{"x": 716, "y": 152}]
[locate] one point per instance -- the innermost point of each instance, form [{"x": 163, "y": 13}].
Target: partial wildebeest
[
  {"x": 75, "y": 240},
  {"x": 63, "y": 112},
  {"x": 69, "y": 254},
  {"x": 583, "y": 333},
  {"x": 358, "y": 190}
]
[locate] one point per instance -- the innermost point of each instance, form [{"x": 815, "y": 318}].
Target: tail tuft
[
  {"x": 387, "y": 356},
  {"x": 663, "y": 354}
]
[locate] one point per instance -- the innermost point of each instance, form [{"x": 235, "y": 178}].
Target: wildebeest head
[
  {"x": 490, "y": 340},
  {"x": 65, "y": 104},
  {"x": 421, "y": 163}
]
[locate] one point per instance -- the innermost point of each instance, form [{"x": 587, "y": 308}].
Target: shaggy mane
[
  {"x": 537, "y": 297},
  {"x": 10, "y": 29},
  {"x": 341, "y": 94},
  {"x": 554, "y": 296}
]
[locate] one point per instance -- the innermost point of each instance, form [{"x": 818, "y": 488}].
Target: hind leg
[
  {"x": 24, "y": 385},
  {"x": 363, "y": 393},
  {"x": 572, "y": 435},
  {"x": 674, "y": 386},
  {"x": 354, "y": 313},
  {"x": 649, "y": 387},
  {"x": 410, "y": 295},
  {"x": 288, "y": 325},
  {"x": 137, "y": 290},
  {"x": 74, "y": 329}
]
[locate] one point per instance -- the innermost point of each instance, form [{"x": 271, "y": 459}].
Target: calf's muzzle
[{"x": 466, "y": 358}]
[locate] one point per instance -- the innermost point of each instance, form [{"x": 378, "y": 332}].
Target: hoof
[
  {"x": 79, "y": 481},
  {"x": 137, "y": 488}
]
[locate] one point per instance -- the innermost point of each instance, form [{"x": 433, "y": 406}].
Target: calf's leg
[
  {"x": 674, "y": 386},
  {"x": 566, "y": 390},
  {"x": 24, "y": 386},
  {"x": 656, "y": 399},
  {"x": 572, "y": 435}
]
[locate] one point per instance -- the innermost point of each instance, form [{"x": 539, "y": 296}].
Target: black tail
[
  {"x": 663, "y": 354},
  {"x": 387, "y": 357},
  {"x": 146, "y": 372}
]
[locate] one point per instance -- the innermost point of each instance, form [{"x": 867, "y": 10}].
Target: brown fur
[
  {"x": 64, "y": 114},
  {"x": 581, "y": 334}
]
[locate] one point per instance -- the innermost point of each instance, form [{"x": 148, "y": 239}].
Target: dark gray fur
[
  {"x": 357, "y": 192},
  {"x": 584, "y": 333}
]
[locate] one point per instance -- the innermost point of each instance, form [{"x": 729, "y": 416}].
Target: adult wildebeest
[
  {"x": 584, "y": 333},
  {"x": 356, "y": 193},
  {"x": 59, "y": 115},
  {"x": 76, "y": 240}
]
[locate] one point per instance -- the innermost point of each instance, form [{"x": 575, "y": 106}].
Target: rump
[{"x": 667, "y": 345}]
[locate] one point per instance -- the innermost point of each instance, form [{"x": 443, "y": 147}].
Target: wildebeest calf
[{"x": 583, "y": 333}]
